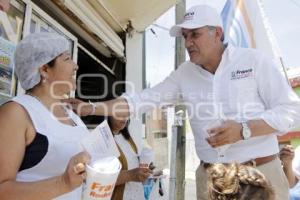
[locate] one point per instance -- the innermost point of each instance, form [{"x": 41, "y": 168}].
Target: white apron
[
  {"x": 133, "y": 190},
  {"x": 63, "y": 143}
]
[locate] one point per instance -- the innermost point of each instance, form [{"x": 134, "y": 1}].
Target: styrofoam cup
[{"x": 101, "y": 178}]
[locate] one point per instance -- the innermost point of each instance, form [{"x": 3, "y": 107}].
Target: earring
[{"x": 44, "y": 78}]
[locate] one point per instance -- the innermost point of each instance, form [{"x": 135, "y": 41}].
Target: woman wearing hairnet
[{"x": 39, "y": 152}]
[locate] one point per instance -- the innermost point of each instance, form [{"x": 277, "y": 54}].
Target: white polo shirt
[{"x": 246, "y": 85}]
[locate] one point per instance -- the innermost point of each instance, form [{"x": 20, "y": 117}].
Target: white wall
[{"x": 134, "y": 67}]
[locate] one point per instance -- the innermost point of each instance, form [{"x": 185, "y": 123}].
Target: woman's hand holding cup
[{"x": 75, "y": 171}]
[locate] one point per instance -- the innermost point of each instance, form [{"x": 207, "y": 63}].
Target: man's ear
[{"x": 219, "y": 32}]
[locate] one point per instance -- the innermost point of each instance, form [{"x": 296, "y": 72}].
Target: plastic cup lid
[{"x": 106, "y": 165}]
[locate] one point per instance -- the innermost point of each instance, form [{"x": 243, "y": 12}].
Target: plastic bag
[
  {"x": 158, "y": 191},
  {"x": 148, "y": 185}
]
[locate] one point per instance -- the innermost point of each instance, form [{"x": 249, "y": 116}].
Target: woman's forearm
[
  {"x": 123, "y": 177},
  {"x": 116, "y": 107},
  {"x": 292, "y": 179},
  {"x": 44, "y": 189}
]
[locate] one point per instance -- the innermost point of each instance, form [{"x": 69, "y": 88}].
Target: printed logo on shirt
[
  {"x": 189, "y": 16},
  {"x": 239, "y": 74}
]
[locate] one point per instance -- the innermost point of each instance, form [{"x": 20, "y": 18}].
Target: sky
[{"x": 283, "y": 17}]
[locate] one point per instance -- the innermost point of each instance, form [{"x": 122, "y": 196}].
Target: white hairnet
[{"x": 34, "y": 51}]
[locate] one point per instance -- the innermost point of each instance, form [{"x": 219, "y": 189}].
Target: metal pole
[
  {"x": 180, "y": 152},
  {"x": 172, "y": 180},
  {"x": 177, "y": 168},
  {"x": 180, "y": 110},
  {"x": 179, "y": 43}
]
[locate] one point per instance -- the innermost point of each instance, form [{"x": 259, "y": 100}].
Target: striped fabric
[
  {"x": 237, "y": 26},
  {"x": 246, "y": 25}
]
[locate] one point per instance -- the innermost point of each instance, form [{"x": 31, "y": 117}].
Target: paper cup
[
  {"x": 101, "y": 178},
  {"x": 213, "y": 124},
  {"x": 146, "y": 157}
]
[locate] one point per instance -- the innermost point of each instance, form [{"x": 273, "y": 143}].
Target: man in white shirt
[
  {"x": 4, "y": 5},
  {"x": 237, "y": 100}
]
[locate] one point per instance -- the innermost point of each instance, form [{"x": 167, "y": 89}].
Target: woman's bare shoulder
[{"x": 12, "y": 112}]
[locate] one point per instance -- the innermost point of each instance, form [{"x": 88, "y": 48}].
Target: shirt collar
[{"x": 229, "y": 52}]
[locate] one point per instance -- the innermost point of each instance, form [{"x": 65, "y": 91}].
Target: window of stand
[
  {"x": 40, "y": 21},
  {"x": 23, "y": 15},
  {"x": 11, "y": 26}
]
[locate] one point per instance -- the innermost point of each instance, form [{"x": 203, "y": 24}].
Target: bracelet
[{"x": 93, "y": 108}]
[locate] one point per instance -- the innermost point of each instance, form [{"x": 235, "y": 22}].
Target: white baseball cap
[{"x": 197, "y": 17}]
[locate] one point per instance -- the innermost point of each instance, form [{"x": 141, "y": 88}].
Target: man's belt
[{"x": 254, "y": 162}]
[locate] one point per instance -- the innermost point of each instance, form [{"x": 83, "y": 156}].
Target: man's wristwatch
[{"x": 246, "y": 132}]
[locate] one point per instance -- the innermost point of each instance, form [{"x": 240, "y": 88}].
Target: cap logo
[{"x": 189, "y": 16}]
